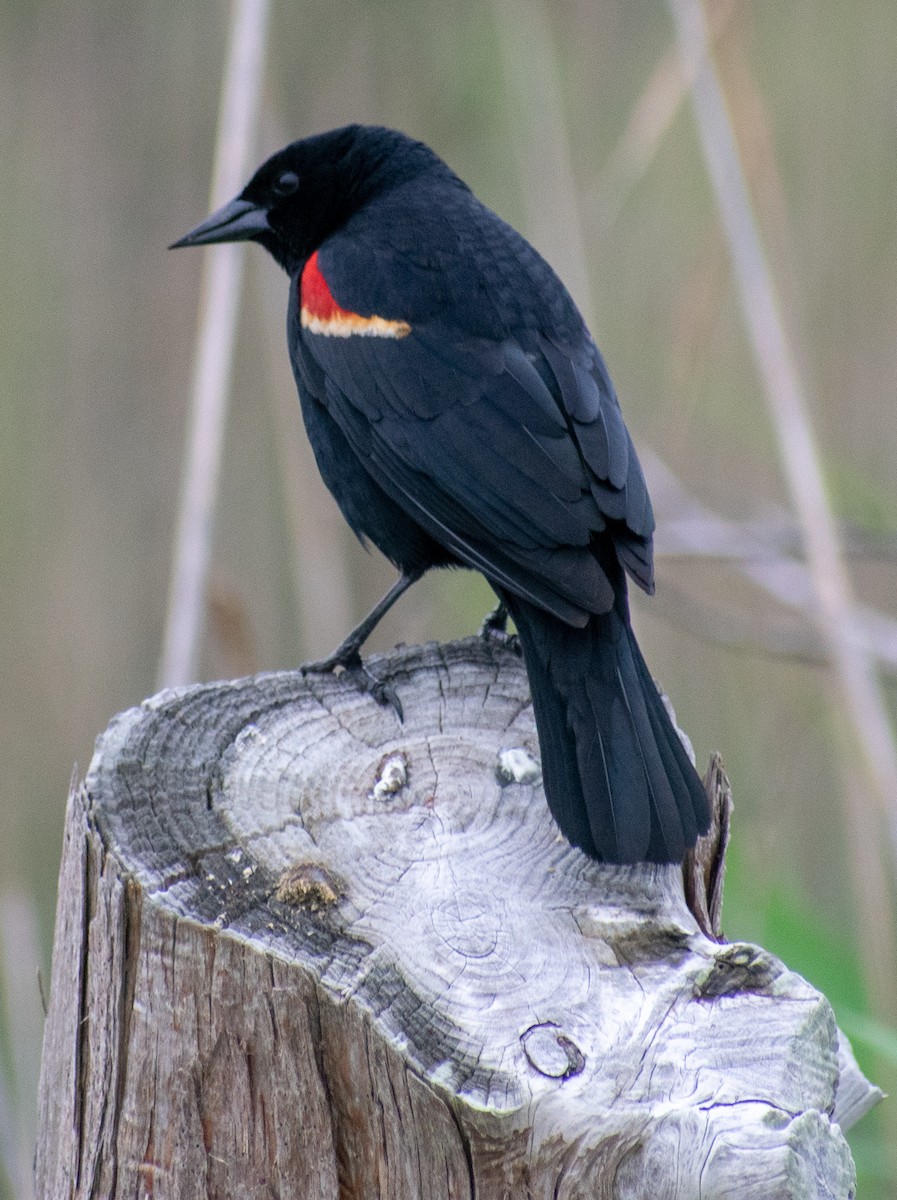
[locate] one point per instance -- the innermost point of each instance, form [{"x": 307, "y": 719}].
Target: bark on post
[{"x": 304, "y": 950}]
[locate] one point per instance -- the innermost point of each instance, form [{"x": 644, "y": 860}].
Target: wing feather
[{"x": 510, "y": 450}]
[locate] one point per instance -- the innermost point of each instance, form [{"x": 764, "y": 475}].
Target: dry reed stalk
[
  {"x": 853, "y": 667},
  {"x": 219, "y": 307}
]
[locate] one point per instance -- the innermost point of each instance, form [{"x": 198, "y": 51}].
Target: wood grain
[{"x": 304, "y": 950}]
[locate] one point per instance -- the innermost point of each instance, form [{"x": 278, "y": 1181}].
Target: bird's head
[{"x": 307, "y": 191}]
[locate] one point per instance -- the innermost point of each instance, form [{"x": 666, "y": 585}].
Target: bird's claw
[
  {"x": 494, "y": 629},
  {"x": 384, "y": 693},
  {"x": 362, "y": 679},
  {"x": 327, "y": 666}
]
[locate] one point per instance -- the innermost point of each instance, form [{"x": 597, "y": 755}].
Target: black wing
[{"x": 511, "y": 453}]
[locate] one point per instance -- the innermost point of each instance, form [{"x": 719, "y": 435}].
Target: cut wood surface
[{"x": 305, "y": 950}]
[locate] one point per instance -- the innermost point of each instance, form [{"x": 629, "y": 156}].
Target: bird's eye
[{"x": 286, "y": 184}]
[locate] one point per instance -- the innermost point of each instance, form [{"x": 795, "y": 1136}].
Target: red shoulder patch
[
  {"x": 317, "y": 299},
  {"x": 321, "y": 314}
]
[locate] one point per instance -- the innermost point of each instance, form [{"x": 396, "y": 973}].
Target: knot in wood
[
  {"x": 517, "y": 765},
  {"x": 550, "y": 1052},
  {"x": 392, "y": 776},
  {"x": 738, "y": 968},
  {"x": 470, "y": 924}
]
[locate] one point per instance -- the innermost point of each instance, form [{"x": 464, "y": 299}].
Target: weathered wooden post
[{"x": 305, "y": 951}]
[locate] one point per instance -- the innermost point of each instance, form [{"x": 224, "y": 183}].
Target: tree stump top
[
  {"x": 412, "y": 872},
  {"x": 401, "y": 861}
]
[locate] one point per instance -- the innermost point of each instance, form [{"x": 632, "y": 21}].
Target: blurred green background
[{"x": 107, "y": 128}]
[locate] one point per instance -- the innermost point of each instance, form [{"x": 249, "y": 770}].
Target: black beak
[{"x": 237, "y": 221}]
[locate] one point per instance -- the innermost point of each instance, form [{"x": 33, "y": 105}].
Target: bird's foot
[
  {"x": 495, "y": 629},
  {"x": 350, "y": 666}
]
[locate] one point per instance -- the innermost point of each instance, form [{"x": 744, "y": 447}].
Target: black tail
[{"x": 617, "y": 778}]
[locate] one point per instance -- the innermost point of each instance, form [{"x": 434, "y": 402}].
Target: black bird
[{"x": 461, "y": 415}]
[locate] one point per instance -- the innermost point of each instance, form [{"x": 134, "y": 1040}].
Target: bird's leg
[
  {"x": 349, "y": 649},
  {"x": 347, "y": 655},
  {"x": 496, "y": 622},
  {"x": 495, "y": 629}
]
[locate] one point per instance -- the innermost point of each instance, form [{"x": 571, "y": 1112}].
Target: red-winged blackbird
[{"x": 461, "y": 414}]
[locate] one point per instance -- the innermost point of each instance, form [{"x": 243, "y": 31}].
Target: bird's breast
[{"x": 321, "y": 314}]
